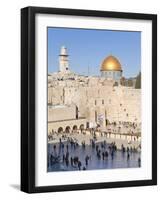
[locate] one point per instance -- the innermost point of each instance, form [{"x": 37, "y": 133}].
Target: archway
[
  {"x": 67, "y": 129},
  {"x": 81, "y": 127},
  {"x": 75, "y": 127},
  {"x": 60, "y": 130}
]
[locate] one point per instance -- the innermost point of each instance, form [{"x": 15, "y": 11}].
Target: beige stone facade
[{"x": 90, "y": 100}]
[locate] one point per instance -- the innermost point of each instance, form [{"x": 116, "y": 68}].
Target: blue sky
[{"x": 87, "y": 48}]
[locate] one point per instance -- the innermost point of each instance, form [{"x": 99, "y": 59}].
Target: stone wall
[
  {"x": 61, "y": 112},
  {"x": 97, "y": 96}
]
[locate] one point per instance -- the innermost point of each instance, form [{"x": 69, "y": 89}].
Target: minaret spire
[{"x": 63, "y": 60}]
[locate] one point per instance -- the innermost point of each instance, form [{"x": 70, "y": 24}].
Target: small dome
[{"x": 111, "y": 63}]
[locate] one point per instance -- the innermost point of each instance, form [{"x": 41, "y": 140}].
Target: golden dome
[{"x": 111, "y": 63}]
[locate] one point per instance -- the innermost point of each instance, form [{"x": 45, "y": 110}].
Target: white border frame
[{"x": 42, "y": 178}]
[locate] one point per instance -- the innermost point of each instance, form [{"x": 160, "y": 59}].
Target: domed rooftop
[{"x": 111, "y": 63}]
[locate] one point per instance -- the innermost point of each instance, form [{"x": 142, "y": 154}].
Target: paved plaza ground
[{"x": 115, "y": 159}]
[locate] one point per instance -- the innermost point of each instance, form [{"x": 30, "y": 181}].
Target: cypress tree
[{"x": 138, "y": 81}]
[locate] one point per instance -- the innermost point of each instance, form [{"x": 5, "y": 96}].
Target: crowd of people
[
  {"x": 62, "y": 153},
  {"x": 65, "y": 145},
  {"x": 125, "y": 127}
]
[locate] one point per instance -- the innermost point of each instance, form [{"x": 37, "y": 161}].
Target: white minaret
[{"x": 63, "y": 60}]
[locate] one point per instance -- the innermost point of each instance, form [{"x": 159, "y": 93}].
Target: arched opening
[
  {"x": 81, "y": 127},
  {"x": 67, "y": 129},
  {"x": 60, "y": 130},
  {"x": 75, "y": 127}
]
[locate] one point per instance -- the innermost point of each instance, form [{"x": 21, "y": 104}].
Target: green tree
[
  {"x": 138, "y": 81},
  {"x": 130, "y": 83}
]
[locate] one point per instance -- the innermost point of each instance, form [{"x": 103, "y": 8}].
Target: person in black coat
[{"x": 79, "y": 165}]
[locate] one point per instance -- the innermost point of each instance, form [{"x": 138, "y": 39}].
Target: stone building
[
  {"x": 76, "y": 101},
  {"x": 111, "y": 68},
  {"x": 63, "y": 60}
]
